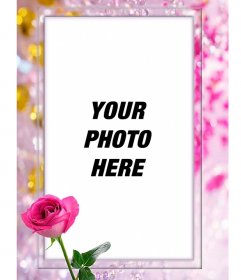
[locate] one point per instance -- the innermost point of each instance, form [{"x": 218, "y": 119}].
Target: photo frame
[{"x": 31, "y": 160}]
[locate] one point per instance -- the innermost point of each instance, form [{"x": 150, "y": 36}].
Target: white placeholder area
[{"x": 122, "y": 59}]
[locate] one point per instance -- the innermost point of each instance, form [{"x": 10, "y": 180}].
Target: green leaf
[
  {"x": 91, "y": 256},
  {"x": 86, "y": 274},
  {"x": 52, "y": 242},
  {"x": 88, "y": 258},
  {"x": 77, "y": 259}
]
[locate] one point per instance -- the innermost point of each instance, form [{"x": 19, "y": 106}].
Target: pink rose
[{"x": 50, "y": 216}]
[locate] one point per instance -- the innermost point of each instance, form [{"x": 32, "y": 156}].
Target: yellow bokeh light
[
  {"x": 36, "y": 116},
  {"x": 23, "y": 97},
  {"x": 36, "y": 53},
  {"x": 36, "y": 179},
  {"x": 47, "y": 2},
  {"x": 26, "y": 21},
  {"x": 73, "y": 13}
]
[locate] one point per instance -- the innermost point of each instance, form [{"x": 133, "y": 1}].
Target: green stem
[{"x": 61, "y": 243}]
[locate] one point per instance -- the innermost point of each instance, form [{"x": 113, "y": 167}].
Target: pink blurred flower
[{"x": 216, "y": 182}]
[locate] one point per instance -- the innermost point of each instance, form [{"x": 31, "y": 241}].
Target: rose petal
[
  {"x": 71, "y": 206},
  {"x": 54, "y": 231},
  {"x": 26, "y": 219}
]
